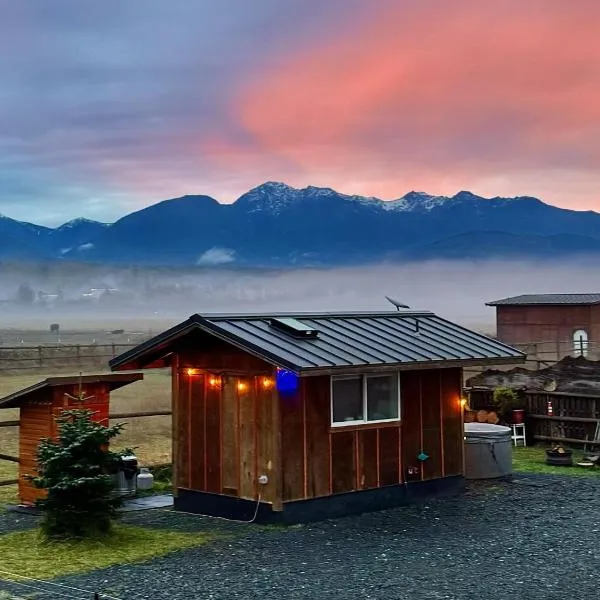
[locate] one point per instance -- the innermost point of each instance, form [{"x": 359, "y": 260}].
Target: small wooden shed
[
  {"x": 293, "y": 418},
  {"x": 40, "y": 404}
]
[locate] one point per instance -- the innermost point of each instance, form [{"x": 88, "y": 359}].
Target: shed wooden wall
[
  {"x": 550, "y": 327},
  {"x": 318, "y": 460},
  {"x": 37, "y": 420},
  {"x": 224, "y": 439}
]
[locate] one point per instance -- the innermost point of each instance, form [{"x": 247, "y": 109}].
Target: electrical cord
[{"x": 59, "y": 585}]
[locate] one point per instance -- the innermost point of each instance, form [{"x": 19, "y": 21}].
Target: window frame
[
  {"x": 363, "y": 377},
  {"x": 580, "y": 346}
]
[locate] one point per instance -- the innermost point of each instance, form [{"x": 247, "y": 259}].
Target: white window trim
[{"x": 364, "y": 420}]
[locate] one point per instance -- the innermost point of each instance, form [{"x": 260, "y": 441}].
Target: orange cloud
[{"x": 437, "y": 94}]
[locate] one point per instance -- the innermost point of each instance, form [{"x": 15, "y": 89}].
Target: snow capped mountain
[
  {"x": 275, "y": 224},
  {"x": 81, "y": 222}
]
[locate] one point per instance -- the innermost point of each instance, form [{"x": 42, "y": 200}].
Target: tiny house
[
  {"x": 39, "y": 406},
  {"x": 291, "y": 418}
]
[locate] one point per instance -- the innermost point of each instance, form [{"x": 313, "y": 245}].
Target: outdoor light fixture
[{"x": 242, "y": 386}]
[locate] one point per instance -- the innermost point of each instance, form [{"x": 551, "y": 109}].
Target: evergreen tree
[{"x": 77, "y": 471}]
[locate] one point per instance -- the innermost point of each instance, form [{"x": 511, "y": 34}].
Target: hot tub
[{"x": 488, "y": 452}]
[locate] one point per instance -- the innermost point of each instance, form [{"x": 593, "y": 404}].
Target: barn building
[
  {"x": 292, "y": 418},
  {"x": 549, "y": 327}
]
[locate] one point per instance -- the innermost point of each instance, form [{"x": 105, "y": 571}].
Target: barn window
[
  {"x": 365, "y": 399},
  {"x": 580, "y": 342}
]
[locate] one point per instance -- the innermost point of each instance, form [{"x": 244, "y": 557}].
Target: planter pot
[
  {"x": 518, "y": 416},
  {"x": 559, "y": 459}
]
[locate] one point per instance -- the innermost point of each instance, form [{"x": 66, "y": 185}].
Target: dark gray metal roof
[
  {"x": 344, "y": 341},
  {"x": 548, "y": 299}
]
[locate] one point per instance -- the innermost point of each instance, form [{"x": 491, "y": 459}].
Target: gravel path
[{"x": 534, "y": 538}]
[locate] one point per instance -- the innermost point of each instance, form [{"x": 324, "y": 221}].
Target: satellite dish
[
  {"x": 397, "y": 304},
  {"x": 550, "y": 386}
]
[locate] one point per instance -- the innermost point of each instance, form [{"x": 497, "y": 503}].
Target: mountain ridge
[{"x": 275, "y": 224}]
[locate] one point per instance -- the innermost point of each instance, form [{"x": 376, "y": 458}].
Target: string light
[
  {"x": 191, "y": 371},
  {"x": 463, "y": 402},
  {"x": 242, "y": 386},
  {"x": 267, "y": 383},
  {"x": 214, "y": 381}
]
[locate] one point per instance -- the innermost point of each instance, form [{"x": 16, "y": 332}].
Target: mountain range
[{"x": 277, "y": 225}]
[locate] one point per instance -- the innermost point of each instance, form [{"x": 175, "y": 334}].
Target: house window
[
  {"x": 580, "y": 342},
  {"x": 365, "y": 399}
]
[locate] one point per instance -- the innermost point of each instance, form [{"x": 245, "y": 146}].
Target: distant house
[
  {"x": 293, "y": 418},
  {"x": 550, "y": 326}
]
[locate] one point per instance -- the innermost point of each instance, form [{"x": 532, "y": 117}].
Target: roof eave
[{"x": 412, "y": 366}]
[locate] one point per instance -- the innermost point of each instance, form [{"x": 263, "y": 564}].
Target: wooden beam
[
  {"x": 159, "y": 413},
  {"x": 9, "y": 423},
  {"x": 549, "y": 438},
  {"x": 567, "y": 419},
  {"x": 9, "y": 458},
  {"x": 6, "y": 482}
]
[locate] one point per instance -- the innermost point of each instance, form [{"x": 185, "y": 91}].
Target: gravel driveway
[{"x": 535, "y": 537}]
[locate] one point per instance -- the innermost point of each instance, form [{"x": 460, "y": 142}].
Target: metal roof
[
  {"x": 547, "y": 299},
  {"x": 114, "y": 381},
  {"x": 345, "y": 341}
]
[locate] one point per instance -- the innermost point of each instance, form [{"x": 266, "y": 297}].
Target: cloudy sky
[{"x": 106, "y": 107}]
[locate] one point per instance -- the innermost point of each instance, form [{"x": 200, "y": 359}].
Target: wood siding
[
  {"x": 226, "y": 437},
  {"x": 38, "y": 421},
  {"x": 318, "y": 459}
]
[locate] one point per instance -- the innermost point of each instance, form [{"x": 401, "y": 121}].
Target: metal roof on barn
[
  {"x": 335, "y": 341},
  {"x": 548, "y": 299}
]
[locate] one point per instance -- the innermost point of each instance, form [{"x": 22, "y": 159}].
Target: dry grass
[{"x": 151, "y": 436}]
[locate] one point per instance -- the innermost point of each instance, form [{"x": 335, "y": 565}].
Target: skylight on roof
[{"x": 293, "y": 327}]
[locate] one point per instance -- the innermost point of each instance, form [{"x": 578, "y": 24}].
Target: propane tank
[{"x": 145, "y": 479}]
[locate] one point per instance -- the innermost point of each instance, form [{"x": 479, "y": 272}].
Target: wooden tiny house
[
  {"x": 298, "y": 417},
  {"x": 40, "y": 404},
  {"x": 549, "y": 327}
]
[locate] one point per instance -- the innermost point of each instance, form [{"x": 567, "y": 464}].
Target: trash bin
[
  {"x": 488, "y": 451},
  {"x": 126, "y": 476}
]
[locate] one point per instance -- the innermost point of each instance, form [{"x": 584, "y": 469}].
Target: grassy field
[{"x": 151, "y": 436}]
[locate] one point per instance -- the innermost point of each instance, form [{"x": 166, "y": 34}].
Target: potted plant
[{"x": 508, "y": 405}]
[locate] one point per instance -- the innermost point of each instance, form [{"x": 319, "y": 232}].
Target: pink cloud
[{"x": 500, "y": 98}]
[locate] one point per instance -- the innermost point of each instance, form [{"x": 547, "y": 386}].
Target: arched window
[{"x": 580, "y": 342}]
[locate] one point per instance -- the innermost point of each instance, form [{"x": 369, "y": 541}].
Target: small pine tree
[{"x": 76, "y": 470}]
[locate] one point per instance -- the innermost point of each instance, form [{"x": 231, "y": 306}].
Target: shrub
[
  {"x": 77, "y": 471},
  {"x": 505, "y": 401}
]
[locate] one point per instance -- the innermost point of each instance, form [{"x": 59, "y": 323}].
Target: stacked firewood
[{"x": 481, "y": 416}]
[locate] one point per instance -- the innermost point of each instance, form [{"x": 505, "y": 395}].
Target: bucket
[{"x": 518, "y": 416}]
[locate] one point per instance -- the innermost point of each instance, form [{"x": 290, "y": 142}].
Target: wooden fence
[
  {"x": 135, "y": 415},
  {"x": 72, "y": 357},
  {"x": 561, "y": 417}
]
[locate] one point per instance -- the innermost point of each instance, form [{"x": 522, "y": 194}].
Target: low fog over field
[{"x": 88, "y": 297}]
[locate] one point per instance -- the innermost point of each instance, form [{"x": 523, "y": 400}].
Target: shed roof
[
  {"x": 548, "y": 299},
  {"x": 114, "y": 381},
  {"x": 343, "y": 341}
]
